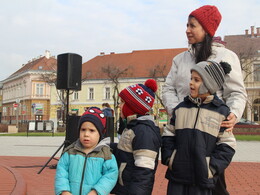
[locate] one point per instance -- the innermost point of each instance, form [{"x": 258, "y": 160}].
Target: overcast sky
[{"x": 88, "y": 27}]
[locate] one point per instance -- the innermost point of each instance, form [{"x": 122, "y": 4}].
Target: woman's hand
[{"x": 230, "y": 123}]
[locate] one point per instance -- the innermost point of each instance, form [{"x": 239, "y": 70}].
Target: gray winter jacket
[{"x": 176, "y": 86}]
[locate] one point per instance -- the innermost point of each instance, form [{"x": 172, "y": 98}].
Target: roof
[
  {"x": 243, "y": 45},
  {"x": 139, "y": 63},
  {"x": 40, "y": 64}
]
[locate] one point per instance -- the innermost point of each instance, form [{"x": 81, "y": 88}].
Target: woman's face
[{"x": 195, "y": 32}]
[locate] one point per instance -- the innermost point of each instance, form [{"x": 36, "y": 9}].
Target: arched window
[
  {"x": 257, "y": 101},
  {"x": 256, "y": 110}
]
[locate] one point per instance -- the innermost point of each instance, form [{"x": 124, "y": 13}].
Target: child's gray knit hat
[{"x": 212, "y": 74}]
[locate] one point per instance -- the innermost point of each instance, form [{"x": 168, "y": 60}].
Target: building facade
[
  {"x": 247, "y": 47},
  {"x": 26, "y": 94},
  {"x": 104, "y": 76}
]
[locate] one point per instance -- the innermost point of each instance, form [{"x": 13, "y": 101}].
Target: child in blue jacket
[{"x": 87, "y": 166}]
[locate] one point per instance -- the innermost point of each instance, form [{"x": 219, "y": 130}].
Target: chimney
[
  {"x": 252, "y": 31},
  {"x": 246, "y": 31},
  {"x": 102, "y": 53},
  {"x": 47, "y": 54},
  {"x": 112, "y": 52},
  {"x": 258, "y": 31}
]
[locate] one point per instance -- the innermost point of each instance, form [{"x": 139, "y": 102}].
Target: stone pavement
[{"x": 21, "y": 158}]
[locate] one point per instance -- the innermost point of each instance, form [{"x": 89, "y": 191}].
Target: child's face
[
  {"x": 121, "y": 104},
  {"x": 89, "y": 135},
  {"x": 195, "y": 83}
]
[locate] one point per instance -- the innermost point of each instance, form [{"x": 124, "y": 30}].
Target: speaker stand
[
  {"x": 52, "y": 157},
  {"x": 65, "y": 142}
]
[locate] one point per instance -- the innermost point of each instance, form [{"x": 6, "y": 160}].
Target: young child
[
  {"x": 196, "y": 149},
  {"x": 87, "y": 166},
  {"x": 138, "y": 148}
]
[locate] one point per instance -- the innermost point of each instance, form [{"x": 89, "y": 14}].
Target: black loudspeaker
[
  {"x": 72, "y": 131},
  {"x": 69, "y": 71}
]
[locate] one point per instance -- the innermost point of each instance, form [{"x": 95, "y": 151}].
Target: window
[
  {"x": 75, "y": 95},
  {"x": 39, "y": 89},
  {"x": 257, "y": 72},
  {"x": 4, "y": 111},
  {"x": 91, "y": 94},
  {"x": 107, "y": 93}
]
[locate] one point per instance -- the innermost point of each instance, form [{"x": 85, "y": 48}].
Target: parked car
[{"x": 244, "y": 121}]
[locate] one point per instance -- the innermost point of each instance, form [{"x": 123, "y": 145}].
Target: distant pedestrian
[
  {"x": 87, "y": 166},
  {"x": 108, "y": 111},
  {"x": 195, "y": 147}
]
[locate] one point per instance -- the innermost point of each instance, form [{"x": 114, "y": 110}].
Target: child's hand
[
  {"x": 92, "y": 192},
  {"x": 66, "y": 193}
]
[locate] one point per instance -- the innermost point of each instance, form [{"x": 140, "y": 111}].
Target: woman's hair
[{"x": 203, "y": 50}]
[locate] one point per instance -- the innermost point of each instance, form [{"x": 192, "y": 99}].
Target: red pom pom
[{"x": 151, "y": 83}]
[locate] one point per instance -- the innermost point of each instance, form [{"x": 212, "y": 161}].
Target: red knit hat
[
  {"x": 138, "y": 98},
  {"x": 95, "y": 116},
  {"x": 209, "y": 17}
]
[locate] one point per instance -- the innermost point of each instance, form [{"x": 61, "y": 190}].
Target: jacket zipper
[
  {"x": 83, "y": 173},
  {"x": 196, "y": 117},
  {"x": 194, "y": 143}
]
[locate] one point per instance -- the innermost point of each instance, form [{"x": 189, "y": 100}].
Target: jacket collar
[
  {"x": 103, "y": 143},
  {"x": 209, "y": 99},
  {"x": 139, "y": 117}
]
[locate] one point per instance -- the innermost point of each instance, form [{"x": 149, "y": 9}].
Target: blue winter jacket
[
  {"x": 108, "y": 111},
  {"x": 79, "y": 173}
]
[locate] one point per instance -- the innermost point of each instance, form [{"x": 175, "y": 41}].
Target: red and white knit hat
[
  {"x": 209, "y": 17},
  {"x": 138, "y": 98}
]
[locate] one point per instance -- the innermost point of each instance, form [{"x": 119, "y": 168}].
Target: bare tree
[
  {"x": 159, "y": 73},
  {"x": 114, "y": 74},
  {"x": 50, "y": 77},
  {"x": 247, "y": 59}
]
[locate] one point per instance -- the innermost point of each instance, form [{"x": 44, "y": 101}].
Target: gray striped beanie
[{"x": 213, "y": 74}]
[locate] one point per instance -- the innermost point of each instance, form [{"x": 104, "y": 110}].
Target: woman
[{"x": 201, "y": 27}]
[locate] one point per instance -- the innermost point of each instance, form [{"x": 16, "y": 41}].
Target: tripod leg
[{"x": 51, "y": 157}]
